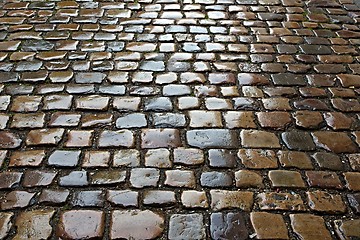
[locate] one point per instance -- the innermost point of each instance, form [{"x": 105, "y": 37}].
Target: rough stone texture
[
  {"x": 223, "y": 199},
  {"x": 136, "y": 224},
  {"x": 290, "y": 159},
  {"x": 246, "y": 179},
  {"x": 348, "y": 229},
  {"x": 259, "y": 139},
  {"x": 34, "y": 224},
  {"x": 352, "y": 180},
  {"x": 9, "y": 140},
  {"x": 212, "y": 138},
  {"x": 229, "y": 226},
  {"x": 335, "y": 142},
  {"x": 5, "y": 224},
  {"x": 194, "y": 199},
  {"x": 288, "y": 179},
  {"x": 77, "y": 224},
  {"x": 186, "y": 226},
  {"x": 17, "y": 199},
  {"x": 155, "y": 138},
  {"x": 280, "y": 201},
  {"x": 144, "y": 177},
  {"x": 326, "y": 202},
  {"x": 258, "y": 159},
  {"x": 308, "y": 226},
  {"x": 268, "y": 225}
]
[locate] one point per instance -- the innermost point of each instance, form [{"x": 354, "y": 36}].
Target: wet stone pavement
[{"x": 180, "y": 119}]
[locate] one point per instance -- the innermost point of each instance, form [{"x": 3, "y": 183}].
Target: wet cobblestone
[{"x": 169, "y": 119}]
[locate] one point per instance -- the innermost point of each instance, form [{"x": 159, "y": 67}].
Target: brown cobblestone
[
  {"x": 335, "y": 142},
  {"x": 5, "y": 224},
  {"x": 223, "y": 199},
  {"x": 268, "y": 225},
  {"x": 258, "y": 159},
  {"x": 325, "y": 202},
  {"x": 286, "y": 179},
  {"x": 308, "y": 226},
  {"x": 347, "y": 229},
  {"x": 352, "y": 180},
  {"x": 280, "y": 201},
  {"x": 27, "y": 158},
  {"x": 259, "y": 139},
  {"x": 9, "y": 140}
]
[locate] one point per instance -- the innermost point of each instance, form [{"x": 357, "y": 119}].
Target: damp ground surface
[{"x": 180, "y": 119}]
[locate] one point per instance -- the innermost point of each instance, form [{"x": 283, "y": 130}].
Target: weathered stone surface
[
  {"x": 88, "y": 199},
  {"x": 328, "y": 161},
  {"x": 221, "y": 158},
  {"x": 298, "y": 140},
  {"x": 45, "y": 136},
  {"x": 156, "y": 197},
  {"x": 290, "y": 159},
  {"x": 144, "y": 177},
  {"x": 126, "y": 157},
  {"x": 334, "y": 141},
  {"x": 223, "y": 199},
  {"x": 258, "y": 159},
  {"x": 63, "y": 158},
  {"x": 347, "y": 229},
  {"x": 34, "y": 224},
  {"x": 17, "y": 199},
  {"x": 123, "y": 198},
  {"x": 322, "y": 201},
  {"x": 352, "y": 180},
  {"x": 74, "y": 178},
  {"x": 259, "y": 139},
  {"x": 34, "y": 178},
  {"x": 212, "y": 138},
  {"x": 205, "y": 109},
  {"x": 269, "y": 225},
  {"x": 354, "y": 202},
  {"x": 229, "y": 226},
  {"x": 308, "y": 226},
  {"x": 136, "y": 224},
  {"x": 53, "y": 197},
  {"x": 180, "y": 178},
  {"x": 323, "y": 179},
  {"x": 215, "y": 179},
  {"x": 10, "y": 179},
  {"x": 287, "y": 179},
  {"x": 280, "y": 201},
  {"x": 9, "y": 140},
  {"x": 123, "y": 138},
  {"x": 77, "y": 224},
  {"x": 5, "y": 224},
  {"x": 155, "y": 138},
  {"x": 186, "y": 226},
  {"x": 194, "y": 199}
]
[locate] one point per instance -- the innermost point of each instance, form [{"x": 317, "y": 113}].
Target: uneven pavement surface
[{"x": 180, "y": 119}]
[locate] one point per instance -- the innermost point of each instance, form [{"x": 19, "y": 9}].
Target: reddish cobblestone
[{"x": 162, "y": 119}]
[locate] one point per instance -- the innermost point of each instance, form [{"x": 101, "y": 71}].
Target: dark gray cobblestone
[{"x": 179, "y": 119}]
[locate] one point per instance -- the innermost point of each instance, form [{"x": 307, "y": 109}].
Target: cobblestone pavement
[{"x": 180, "y": 119}]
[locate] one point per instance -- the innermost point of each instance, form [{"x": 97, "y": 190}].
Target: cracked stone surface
[{"x": 180, "y": 119}]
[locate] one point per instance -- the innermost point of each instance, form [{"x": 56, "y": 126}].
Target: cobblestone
[{"x": 221, "y": 119}]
